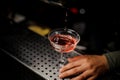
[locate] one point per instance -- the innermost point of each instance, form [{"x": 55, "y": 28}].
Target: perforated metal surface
[{"x": 35, "y": 52}]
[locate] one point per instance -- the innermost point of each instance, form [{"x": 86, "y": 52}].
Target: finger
[
  {"x": 70, "y": 65},
  {"x": 74, "y": 58},
  {"x": 83, "y": 76},
  {"x": 92, "y": 78},
  {"x": 72, "y": 72}
]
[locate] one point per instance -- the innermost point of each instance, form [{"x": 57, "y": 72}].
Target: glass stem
[{"x": 63, "y": 60}]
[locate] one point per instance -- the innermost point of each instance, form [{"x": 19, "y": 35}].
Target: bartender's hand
[{"x": 86, "y": 67}]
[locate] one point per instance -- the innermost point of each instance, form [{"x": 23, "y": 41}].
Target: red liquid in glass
[{"x": 63, "y": 43}]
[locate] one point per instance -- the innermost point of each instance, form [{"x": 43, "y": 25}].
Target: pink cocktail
[{"x": 63, "y": 43}]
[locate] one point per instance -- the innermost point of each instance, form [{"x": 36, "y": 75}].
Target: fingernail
[
  {"x": 60, "y": 76},
  {"x": 60, "y": 70},
  {"x": 69, "y": 59}
]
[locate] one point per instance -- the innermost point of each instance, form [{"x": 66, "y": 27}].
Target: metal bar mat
[{"x": 35, "y": 52}]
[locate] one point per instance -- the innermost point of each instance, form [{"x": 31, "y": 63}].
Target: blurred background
[{"x": 97, "y": 22}]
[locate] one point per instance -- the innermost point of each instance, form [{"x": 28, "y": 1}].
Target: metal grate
[{"x": 35, "y": 52}]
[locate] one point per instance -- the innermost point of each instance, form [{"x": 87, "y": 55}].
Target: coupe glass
[{"x": 64, "y": 41}]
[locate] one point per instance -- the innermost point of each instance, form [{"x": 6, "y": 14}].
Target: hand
[{"x": 86, "y": 67}]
